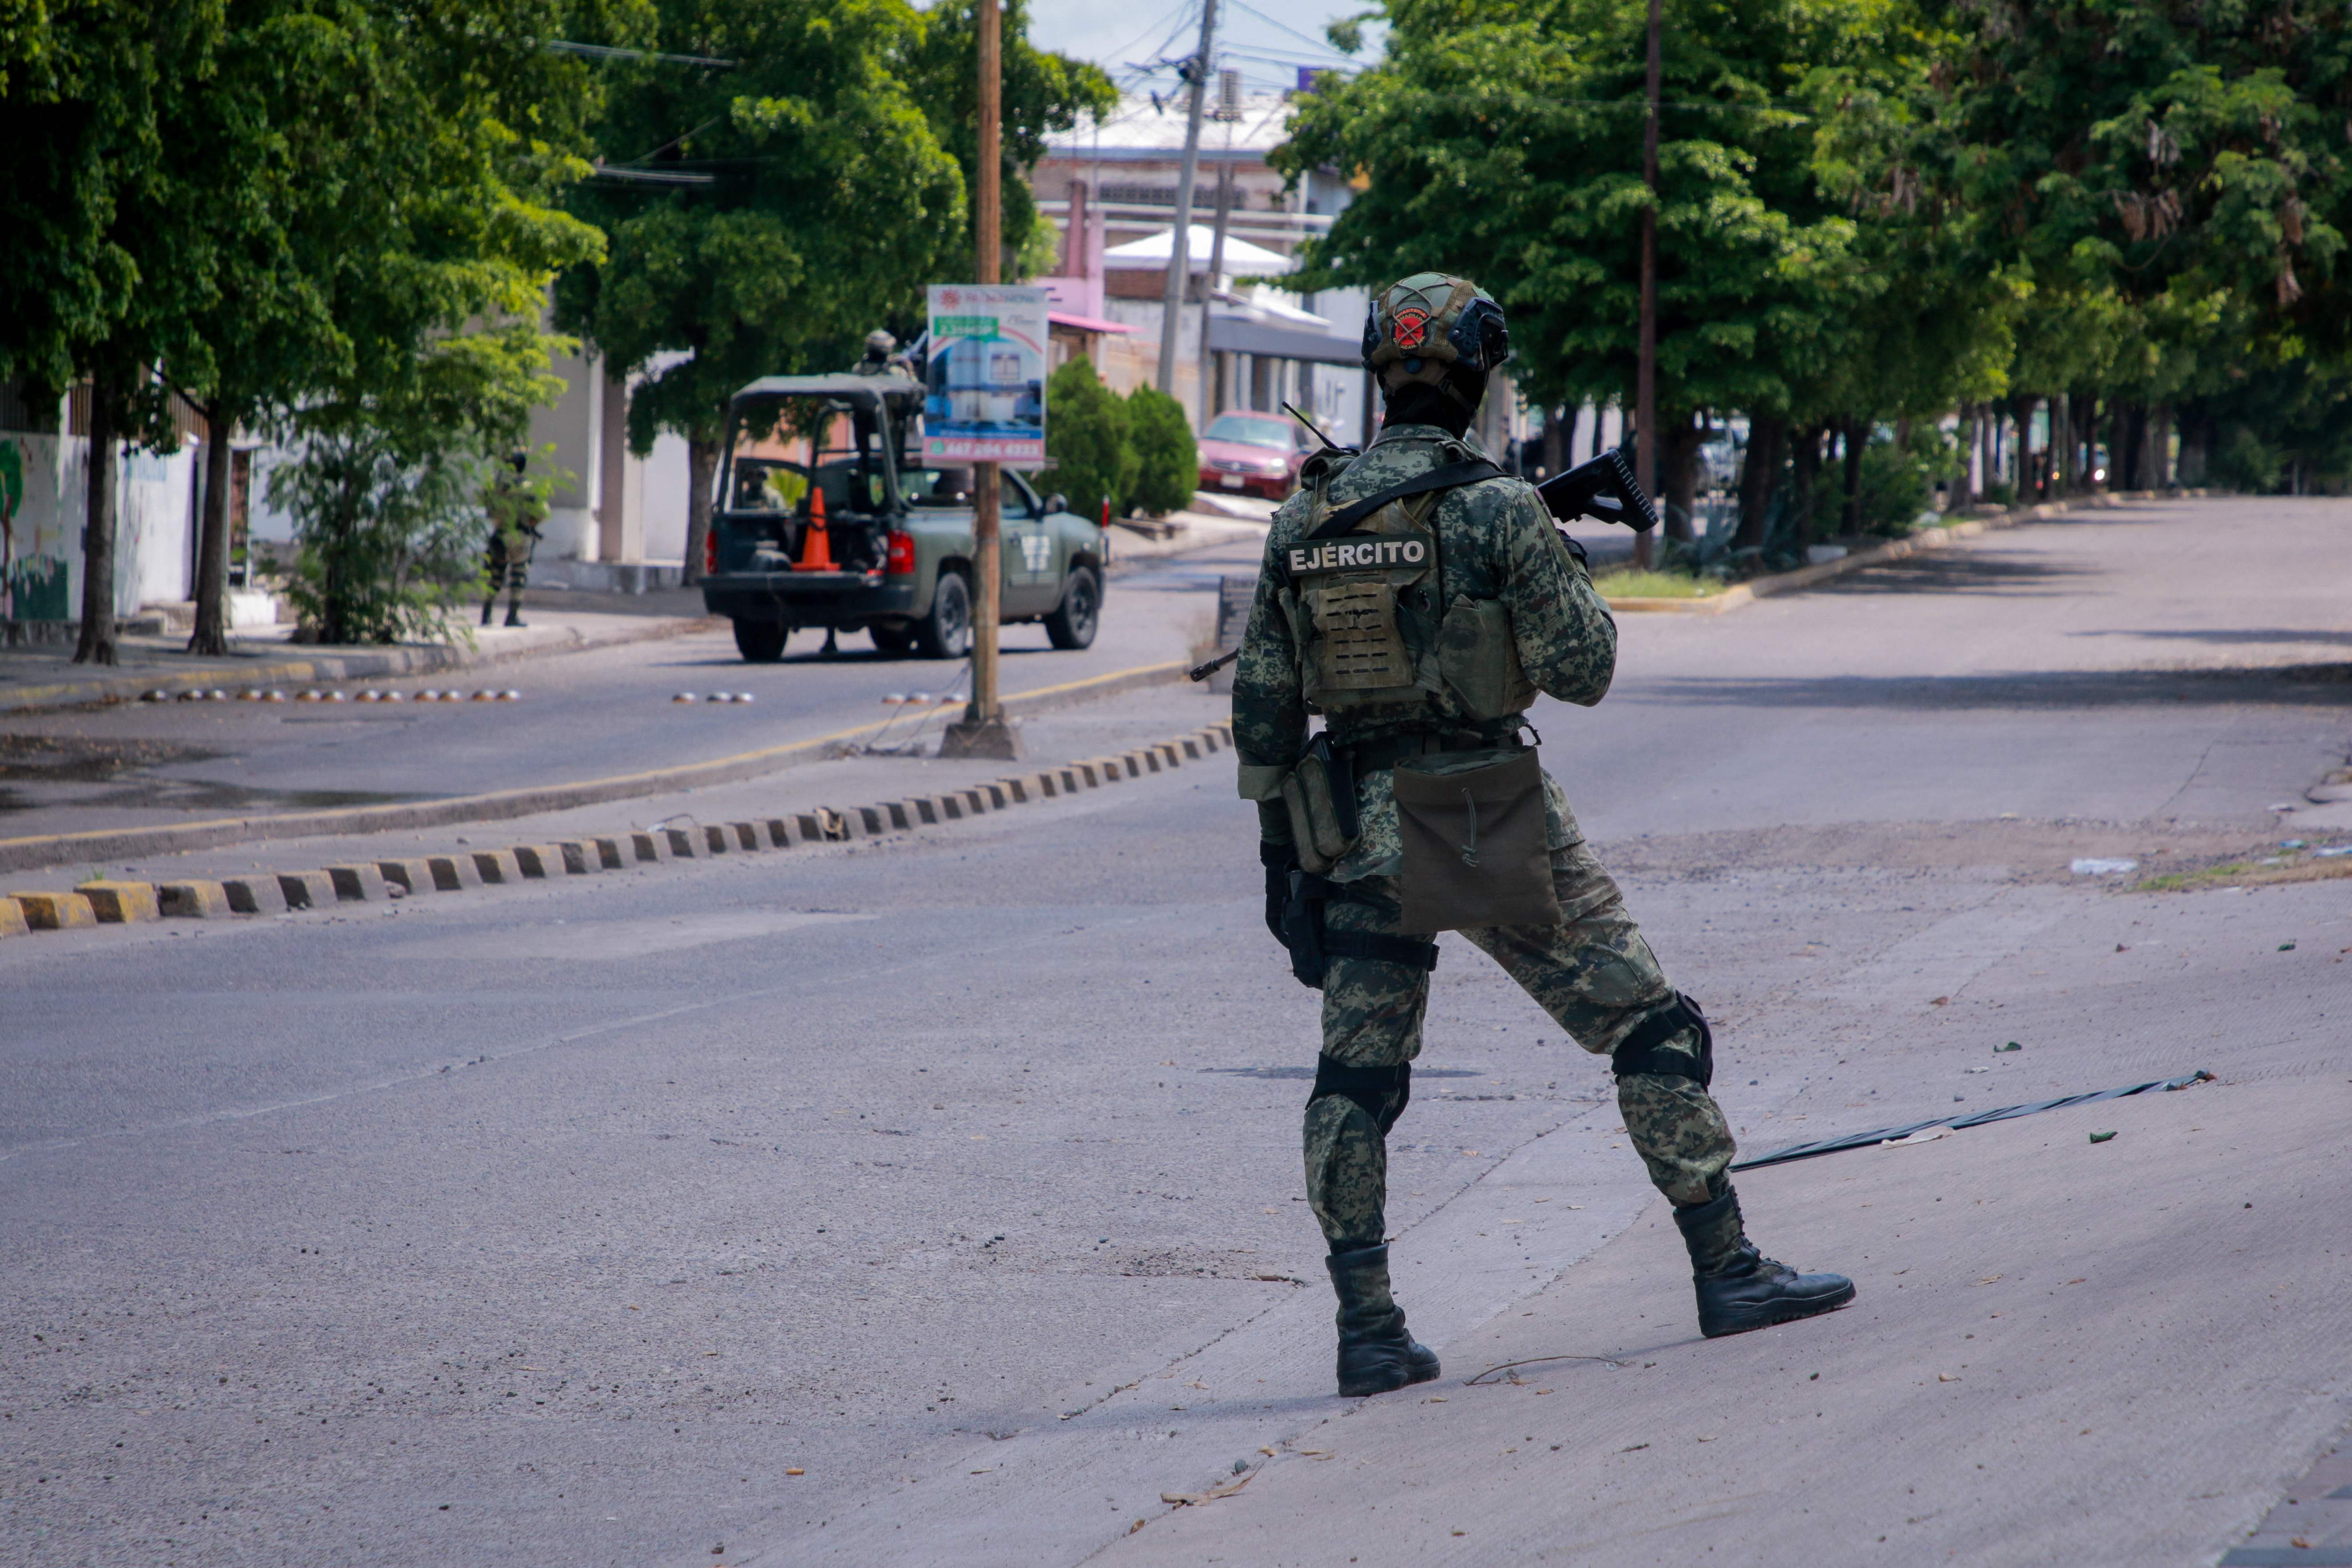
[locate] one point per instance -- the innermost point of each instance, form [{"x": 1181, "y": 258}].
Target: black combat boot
[
  {"x": 1738, "y": 1287},
  {"x": 514, "y": 614},
  {"x": 1376, "y": 1353},
  {"x": 488, "y": 609}
]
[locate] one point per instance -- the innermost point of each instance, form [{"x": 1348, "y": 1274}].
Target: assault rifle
[{"x": 1604, "y": 488}]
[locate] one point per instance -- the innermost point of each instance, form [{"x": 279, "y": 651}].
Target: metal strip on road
[
  {"x": 110, "y": 844},
  {"x": 1977, "y": 1118}
]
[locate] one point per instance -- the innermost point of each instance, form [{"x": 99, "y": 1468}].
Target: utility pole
[
  {"x": 1646, "y": 395},
  {"x": 983, "y": 732},
  {"x": 1179, "y": 237},
  {"x": 1209, "y": 388}
]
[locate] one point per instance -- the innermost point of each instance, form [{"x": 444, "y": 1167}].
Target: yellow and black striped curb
[{"x": 377, "y": 881}]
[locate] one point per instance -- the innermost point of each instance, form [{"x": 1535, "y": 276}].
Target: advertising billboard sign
[{"x": 986, "y": 375}]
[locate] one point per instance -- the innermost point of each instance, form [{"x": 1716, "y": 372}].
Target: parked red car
[{"x": 1258, "y": 454}]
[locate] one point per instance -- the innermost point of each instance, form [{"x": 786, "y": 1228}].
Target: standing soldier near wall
[
  {"x": 516, "y": 512},
  {"x": 1419, "y": 599}
]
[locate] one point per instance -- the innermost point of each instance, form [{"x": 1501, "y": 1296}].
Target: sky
[{"x": 1265, "y": 40}]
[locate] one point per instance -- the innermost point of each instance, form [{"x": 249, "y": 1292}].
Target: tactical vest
[{"x": 1377, "y": 636}]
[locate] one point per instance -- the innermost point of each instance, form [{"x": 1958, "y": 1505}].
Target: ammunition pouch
[
  {"x": 1319, "y": 793},
  {"x": 1644, "y": 1050},
  {"x": 1312, "y": 947}
]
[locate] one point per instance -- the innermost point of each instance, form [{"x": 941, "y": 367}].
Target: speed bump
[
  {"x": 307, "y": 889},
  {"x": 193, "y": 901},
  {"x": 580, "y": 855},
  {"x": 498, "y": 866},
  {"x": 453, "y": 873},
  {"x": 411, "y": 876},
  {"x": 121, "y": 904},
  {"x": 541, "y": 860},
  {"x": 57, "y": 911},
  {"x": 256, "y": 895},
  {"x": 12, "y": 919},
  {"x": 359, "y": 884}
]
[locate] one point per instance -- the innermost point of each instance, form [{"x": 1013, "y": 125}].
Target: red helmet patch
[{"x": 1412, "y": 327}]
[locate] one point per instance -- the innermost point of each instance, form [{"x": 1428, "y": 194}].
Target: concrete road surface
[{"x": 936, "y": 1202}]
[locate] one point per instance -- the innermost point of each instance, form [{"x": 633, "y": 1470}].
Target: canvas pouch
[{"x": 1474, "y": 849}]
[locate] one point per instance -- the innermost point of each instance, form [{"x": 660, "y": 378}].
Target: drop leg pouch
[{"x": 1476, "y": 850}]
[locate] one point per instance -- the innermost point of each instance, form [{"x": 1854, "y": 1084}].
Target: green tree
[
  {"x": 1504, "y": 140},
  {"x": 358, "y": 178},
  {"x": 276, "y": 204},
  {"x": 761, "y": 219}
]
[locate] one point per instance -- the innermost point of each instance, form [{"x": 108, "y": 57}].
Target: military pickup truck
[{"x": 825, "y": 516}]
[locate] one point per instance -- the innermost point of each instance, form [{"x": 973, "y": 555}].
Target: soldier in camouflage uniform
[
  {"x": 1333, "y": 884},
  {"x": 515, "y": 514}
]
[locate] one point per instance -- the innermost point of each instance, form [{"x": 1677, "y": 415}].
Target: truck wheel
[
  {"x": 891, "y": 638},
  {"x": 946, "y": 632},
  {"x": 761, "y": 642},
  {"x": 1072, "y": 624}
]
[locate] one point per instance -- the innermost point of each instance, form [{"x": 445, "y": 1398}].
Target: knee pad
[
  {"x": 1643, "y": 1050},
  {"x": 1383, "y": 1092}
]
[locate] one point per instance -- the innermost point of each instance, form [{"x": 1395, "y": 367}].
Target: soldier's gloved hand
[{"x": 1280, "y": 860}]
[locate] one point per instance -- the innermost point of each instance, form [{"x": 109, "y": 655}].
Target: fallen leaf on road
[
  {"x": 1927, "y": 1136},
  {"x": 1435, "y": 1399},
  {"x": 2292, "y": 1540},
  {"x": 796, "y": 1472},
  {"x": 1136, "y": 1526},
  {"x": 1634, "y": 1449},
  {"x": 1946, "y": 1377},
  {"x": 1189, "y": 1500},
  {"x": 1988, "y": 1278},
  {"x": 1706, "y": 1440},
  {"x": 1939, "y": 1001},
  {"x": 2101, "y": 1137}
]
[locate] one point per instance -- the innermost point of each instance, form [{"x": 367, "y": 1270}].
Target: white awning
[{"x": 1241, "y": 258}]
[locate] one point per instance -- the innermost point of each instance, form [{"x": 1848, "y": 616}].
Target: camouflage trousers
[{"x": 1592, "y": 973}]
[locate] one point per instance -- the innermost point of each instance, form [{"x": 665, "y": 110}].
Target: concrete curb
[
  {"x": 280, "y": 892},
  {"x": 105, "y": 844},
  {"x": 421, "y": 659},
  {"x": 1935, "y": 538}
]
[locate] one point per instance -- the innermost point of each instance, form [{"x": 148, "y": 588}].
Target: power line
[{"x": 608, "y": 52}]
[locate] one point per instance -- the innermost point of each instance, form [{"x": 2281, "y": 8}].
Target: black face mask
[{"x": 1448, "y": 407}]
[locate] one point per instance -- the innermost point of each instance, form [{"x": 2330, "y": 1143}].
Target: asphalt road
[
  {"x": 579, "y": 716},
  {"x": 935, "y": 1202}
]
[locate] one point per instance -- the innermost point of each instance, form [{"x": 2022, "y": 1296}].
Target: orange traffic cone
[{"x": 816, "y": 539}]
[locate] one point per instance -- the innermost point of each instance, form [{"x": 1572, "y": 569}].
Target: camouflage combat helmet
[{"x": 1420, "y": 327}]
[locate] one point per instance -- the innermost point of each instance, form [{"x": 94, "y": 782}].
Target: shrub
[
  {"x": 1086, "y": 437},
  {"x": 1897, "y": 484},
  {"x": 2247, "y": 462},
  {"x": 1167, "y": 463},
  {"x": 385, "y": 542}
]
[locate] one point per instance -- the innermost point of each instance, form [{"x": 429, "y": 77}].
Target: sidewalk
[{"x": 45, "y": 677}]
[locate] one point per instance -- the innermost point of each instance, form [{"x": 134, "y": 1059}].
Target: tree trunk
[
  {"x": 96, "y": 644},
  {"x": 1678, "y": 445},
  {"x": 1856, "y": 437},
  {"x": 701, "y": 467},
  {"x": 212, "y": 547},
  {"x": 1760, "y": 477},
  {"x": 1804, "y": 470},
  {"x": 1558, "y": 439},
  {"x": 2157, "y": 460},
  {"x": 1963, "y": 492}
]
